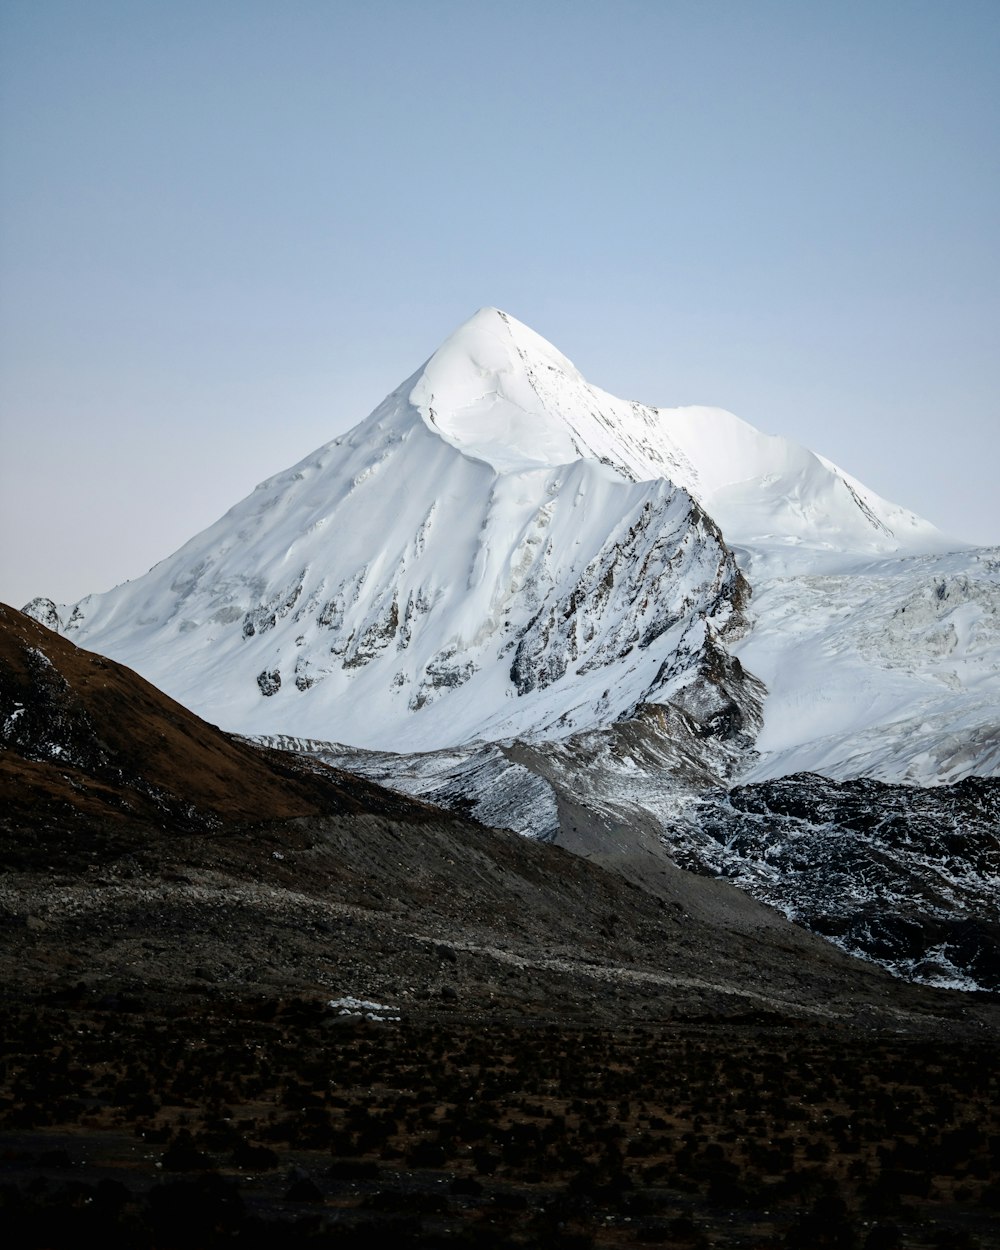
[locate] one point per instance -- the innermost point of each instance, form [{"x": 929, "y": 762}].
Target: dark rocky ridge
[{"x": 89, "y": 745}]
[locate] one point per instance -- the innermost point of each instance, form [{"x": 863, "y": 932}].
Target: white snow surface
[
  {"x": 503, "y": 550},
  {"x": 887, "y": 668},
  {"x": 351, "y": 1006}
]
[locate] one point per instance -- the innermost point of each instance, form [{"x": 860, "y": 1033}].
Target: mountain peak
[
  {"x": 489, "y": 391},
  {"x": 501, "y": 394},
  {"x": 494, "y": 341}
]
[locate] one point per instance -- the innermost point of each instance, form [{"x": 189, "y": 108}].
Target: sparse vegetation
[{"x": 144, "y": 1126}]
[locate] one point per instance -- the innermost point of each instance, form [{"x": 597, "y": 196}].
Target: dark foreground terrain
[
  {"x": 276, "y": 1122},
  {"x": 544, "y": 1052}
]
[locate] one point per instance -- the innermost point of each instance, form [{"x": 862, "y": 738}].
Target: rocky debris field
[{"x": 902, "y": 875}]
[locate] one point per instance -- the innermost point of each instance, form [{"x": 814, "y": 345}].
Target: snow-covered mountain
[
  {"x": 509, "y": 591},
  {"x": 500, "y": 550}
]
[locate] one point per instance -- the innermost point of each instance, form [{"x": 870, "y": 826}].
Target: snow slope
[{"x": 502, "y": 550}]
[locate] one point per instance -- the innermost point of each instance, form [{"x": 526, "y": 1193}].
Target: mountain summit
[{"x": 499, "y": 392}]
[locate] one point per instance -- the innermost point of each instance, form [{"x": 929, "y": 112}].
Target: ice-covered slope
[
  {"x": 502, "y": 550},
  {"x": 887, "y": 668},
  {"x": 501, "y": 393}
]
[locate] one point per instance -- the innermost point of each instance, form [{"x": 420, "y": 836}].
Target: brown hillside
[{"x": 86, "y": 739}]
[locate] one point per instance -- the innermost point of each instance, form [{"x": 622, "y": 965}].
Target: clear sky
[{"x": 227, "y": 229}]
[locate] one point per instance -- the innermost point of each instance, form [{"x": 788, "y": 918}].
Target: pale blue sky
[{"x": 227, "y": 229}]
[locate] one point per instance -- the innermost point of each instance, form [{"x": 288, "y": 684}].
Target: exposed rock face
[
  {"x": 898, "y": 874},
  {"x": 269, "y": 682}
]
